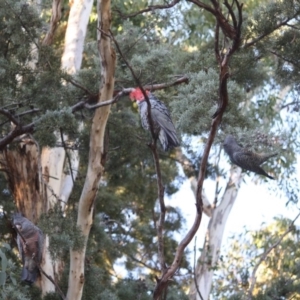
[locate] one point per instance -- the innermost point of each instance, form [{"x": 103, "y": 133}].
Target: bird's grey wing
[
  {"x": 143, "y": 110},
  {"x": 20, "y": 244},
  {"x": 161, "y": 115},
  {"x": 40, "y": 245},
  {"x": 243, "y": 159}
]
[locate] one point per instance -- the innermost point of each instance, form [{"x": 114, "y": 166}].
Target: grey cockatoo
[
  {"x": 164, "y": 128},
  {"x": 30, "y": 243},
  {"x": 245, "y": 158}
]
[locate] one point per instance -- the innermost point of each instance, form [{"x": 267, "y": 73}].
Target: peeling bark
[
  {"x": 23, "y": 173},
  {"x": 97, "y": 151}
]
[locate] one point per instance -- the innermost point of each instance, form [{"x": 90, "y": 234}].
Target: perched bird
[
  {"x": 164, "y": 128},
  {"x": 30, "y": 243},
  {"x": 244, "y": 158}
]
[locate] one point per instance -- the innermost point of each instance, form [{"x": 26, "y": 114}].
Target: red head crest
[{"x": 137, "y": 95}]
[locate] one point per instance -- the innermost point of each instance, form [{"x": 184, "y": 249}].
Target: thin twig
[
  {"x": 160, "y": 187},
  {"x": 78, "y": 85},
  {"x": 27, "y": 112},
  {"x": 67, "y": 154},
  {"x": 162, "y": 216},
  {"x": 138, "y": 82},
  {"x": 10, "y": 116},
  {"x": 147, "y": 9},
  {"x": 278, "y": 25},
  {"x": 53, "y": 281}
]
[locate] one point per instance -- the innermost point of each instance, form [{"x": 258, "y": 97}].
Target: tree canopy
[{"x": 221, "y": 68}]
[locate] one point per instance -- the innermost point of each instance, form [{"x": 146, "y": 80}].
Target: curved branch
[
  {"x": 15, "y": 133},
  {"x": 147, "y": 9},
  {"x": 280, "y": 24}
]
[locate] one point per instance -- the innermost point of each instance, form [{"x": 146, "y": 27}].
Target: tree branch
[
  {"x": 137, "y": 80},
  {"x": 278, "y": 25},
  {"x": 53, "y": 281},
  {"x": 162, "y": 216},
  {"x": 55, "y": 17},
  {"x": 147, "y": 9},
  {"x": 67, "y": 154},
  {"x": 265, "y": 254},
  {"x": 160, "y": 187},
  {"x": 19, "y": 130}
]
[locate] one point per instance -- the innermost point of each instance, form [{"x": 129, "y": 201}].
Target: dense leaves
[{"x": 160, "y": 47}]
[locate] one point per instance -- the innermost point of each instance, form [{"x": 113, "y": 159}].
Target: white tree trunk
[
  {"x": 211, "y": 250},
  {"x": 58, "y": 175},
  {"x": 75, "y": 34},
  {"x": 97, "y": 152}
]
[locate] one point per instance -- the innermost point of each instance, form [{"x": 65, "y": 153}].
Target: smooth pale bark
[
  {"x": 75, "y": 34},
  {"x": 54, "y": 160},
  {"x": 212, "y": 246},
  {"x": 59, "y": 184},
  {"x": 97, "y": 151}
]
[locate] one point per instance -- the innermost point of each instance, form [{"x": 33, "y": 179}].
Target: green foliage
[
  {"x": 278, "y": 274},
  {"x": 160, "y": 46},
  {"x": 62, "y": 231},
  {"x": 10, "y": 287}
]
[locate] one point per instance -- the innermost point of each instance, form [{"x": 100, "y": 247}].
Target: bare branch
[
  {"x": 137, "y": 80},
  {"x": 217, "y": 51},
  {"x": 54, "y": 282},
  {"x": 160, "y": 187},
  {"x": 78, "y": 85},
  {"x": 283, "y": 58},
  {"x": 7, "y": 112},
  {"x": 162, "y": 216},
  {"x": 19, "y": 130},
  {"x": 147, "y": 9},
  {"x": 278, "y": 25},
  {"x": 10, "y": 116},
  {"x": 55, "y": 17},
  {"x": 67, "y": 154},
  {"x": 265, "y": 254}
]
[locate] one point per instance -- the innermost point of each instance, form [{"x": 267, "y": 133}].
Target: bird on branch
[
  {"x": 245, "y": 158},
  {"x": 30, "y": 241},
  {"x": 163, "y": 127}
]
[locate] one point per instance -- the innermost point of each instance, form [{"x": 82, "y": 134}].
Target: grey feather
[
  {"x": 30, "y": 240},
  {"x": 245, "y": 158},
  {"x": 164, "y": 128}
]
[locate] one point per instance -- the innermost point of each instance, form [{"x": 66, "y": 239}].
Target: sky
[{"x": 254, "y": 205}]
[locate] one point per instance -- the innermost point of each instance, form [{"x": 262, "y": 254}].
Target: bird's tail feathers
[
  {"x": 265, "y": 157},
  {"x": 168, "y": 140},
  {"x": 29, "y": 276},
  {"x": 261, "y": 171}
]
